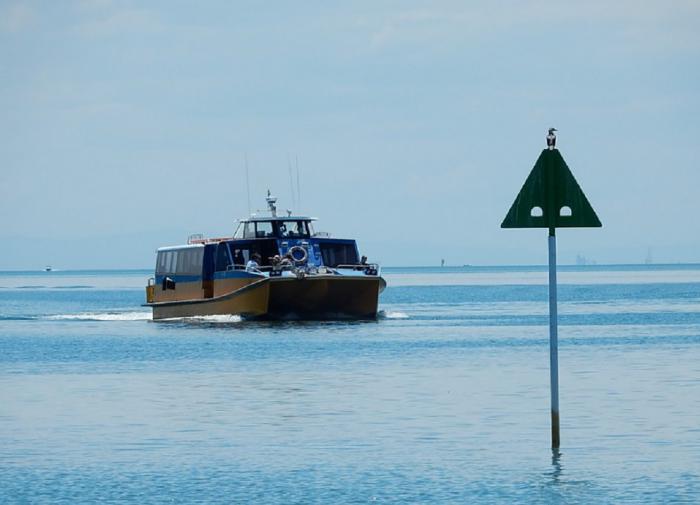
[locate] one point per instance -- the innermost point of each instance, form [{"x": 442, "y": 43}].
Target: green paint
[{"x": 551, "y": 187}]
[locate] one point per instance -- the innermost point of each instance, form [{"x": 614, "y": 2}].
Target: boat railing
[
  {"x": 238, "y": 267},
  {"x": 261, "y": 268},
  {"x": 201, "y": 240},
  {"x": 359, "y": 266},
  {"x": 369, "y": 268}
]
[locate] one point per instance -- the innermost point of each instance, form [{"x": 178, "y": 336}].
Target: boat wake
[
  {"x": 392, "y": 314},
  {"x": 146, "y": 316},
  {"x": 103, "y": 316},
  {"x": 141, "y": 316},
  {"x": 215, "y": 319}
]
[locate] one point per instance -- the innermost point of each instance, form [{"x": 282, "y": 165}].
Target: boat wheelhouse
[{"x": 273, "y": 267}]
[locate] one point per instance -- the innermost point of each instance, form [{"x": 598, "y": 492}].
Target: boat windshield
[
  {"x": 293, "y": 229},
  {"x": 247, "y": 229},
  {"x": 289, "y": 228}
]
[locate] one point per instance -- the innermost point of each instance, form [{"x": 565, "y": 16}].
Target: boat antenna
[
  {"x": 291, "y": 183},
  {"x": 271, "y": 204},
  {"x": 247, "y": 179},
  {"x": 296, "y": 158}
]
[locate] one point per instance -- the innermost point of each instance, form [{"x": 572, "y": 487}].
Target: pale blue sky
[{"x": 124, "y": 125}]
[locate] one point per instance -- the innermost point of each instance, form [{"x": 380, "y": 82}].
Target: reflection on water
[{"x": 555, "y": 474}]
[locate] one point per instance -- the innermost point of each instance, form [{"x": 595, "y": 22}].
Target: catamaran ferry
[{"x": 273, "y": 267}]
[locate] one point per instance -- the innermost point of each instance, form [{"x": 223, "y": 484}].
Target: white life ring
[{"x": 301, "y": 259}]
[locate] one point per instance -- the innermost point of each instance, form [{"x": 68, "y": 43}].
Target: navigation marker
[{"x": 551, "y": 198}]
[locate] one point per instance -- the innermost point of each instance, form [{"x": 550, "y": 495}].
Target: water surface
[{"x": 444, "y": 399}]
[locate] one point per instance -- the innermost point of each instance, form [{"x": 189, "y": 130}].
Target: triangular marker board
[{"x": 551, "y": 198}]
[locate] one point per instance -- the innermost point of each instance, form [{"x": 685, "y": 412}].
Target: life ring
[{"x": 298, "y": 254}]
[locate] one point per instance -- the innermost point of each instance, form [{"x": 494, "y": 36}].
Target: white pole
[{"x": 553, "y": 338}]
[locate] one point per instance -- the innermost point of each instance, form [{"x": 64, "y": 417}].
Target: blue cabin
[{"x": 202, "y": 261}]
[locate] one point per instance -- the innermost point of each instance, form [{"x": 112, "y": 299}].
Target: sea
[{"x": 445, "y": 398}]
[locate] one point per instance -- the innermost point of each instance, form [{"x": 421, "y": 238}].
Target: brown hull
[
  {"x": 311, "y": 298},
  {"x": 249, "y": 301},
  {"x": 324, "y": 297}
]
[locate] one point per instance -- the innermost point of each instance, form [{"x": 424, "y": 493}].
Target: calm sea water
[{"x": 444, "y": 399}]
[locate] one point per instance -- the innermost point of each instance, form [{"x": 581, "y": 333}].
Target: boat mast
[{"x": 271, "y": 204}]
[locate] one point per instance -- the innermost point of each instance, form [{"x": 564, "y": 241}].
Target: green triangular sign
[{"x": 551, "y": 198}]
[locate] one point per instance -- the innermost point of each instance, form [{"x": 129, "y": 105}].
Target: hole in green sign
[
  {"x": 565, "y": 211},
  {"x": 536, "y": 212}
]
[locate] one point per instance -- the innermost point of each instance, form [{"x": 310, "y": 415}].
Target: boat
[
  {"x": 48, "y": 268},
  {"x": 273, "y": 267}
]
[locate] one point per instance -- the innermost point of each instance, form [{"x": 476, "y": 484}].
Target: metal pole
[{"x": 553, "y": 338}]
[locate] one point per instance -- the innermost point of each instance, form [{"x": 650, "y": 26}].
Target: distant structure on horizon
[
  {"x": 649, "y": 259},
  {"x": 583, "y": 261}
]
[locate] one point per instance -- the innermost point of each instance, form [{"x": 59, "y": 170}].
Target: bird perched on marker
[{"x": 552, "y": 139}]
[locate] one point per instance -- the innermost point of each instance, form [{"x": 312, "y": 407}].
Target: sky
[{"x": 125, "y": 126}]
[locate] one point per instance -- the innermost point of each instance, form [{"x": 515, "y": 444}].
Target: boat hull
[
  {"x": 315, "y": 297},
  {"x": 324, "y": 297},
  {"x": 249, "y": 301}
]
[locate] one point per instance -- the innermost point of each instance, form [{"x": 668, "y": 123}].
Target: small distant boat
[
  {"x": 48, "y": 268},
  {"x": 273, "y": 267}
]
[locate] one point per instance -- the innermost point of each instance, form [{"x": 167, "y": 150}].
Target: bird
[{"x": 551, "y": 139}]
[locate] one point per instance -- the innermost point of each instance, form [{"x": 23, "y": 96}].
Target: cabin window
[
  {"x": 293, "y": 229},
  {"x": 161, "y": 263},
  {"x": 240, "y": 256},
  {"x": 265, "y": 248},
  {"x": 197, "y": 259},
  {"x": 186, "y": 261},
  {"x": 248, "y": 230},
  {"x": 171, "y": 262},
  {"x": 222, "y": 258},
  {"x": 263, "y": 229},
  {"x": 181, "y": 260},
  {"x": 244, "y": 230},
  {"x": 190, "y": 261},
  {"x": 335, "y": 254}
]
